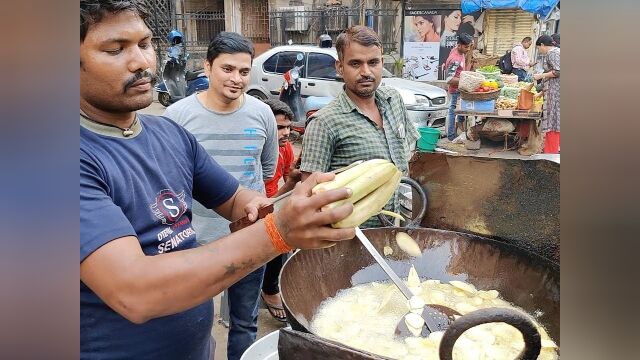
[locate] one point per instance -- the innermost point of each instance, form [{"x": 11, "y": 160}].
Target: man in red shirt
[
  {"x": 454, "y": 65},
  {"x": 291, "y": 175}
]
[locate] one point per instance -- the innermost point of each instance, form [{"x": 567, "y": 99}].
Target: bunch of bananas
[{"x": 372, "y": 183}]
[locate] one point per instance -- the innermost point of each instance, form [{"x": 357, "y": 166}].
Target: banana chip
[{"x": 365, "y": 317}]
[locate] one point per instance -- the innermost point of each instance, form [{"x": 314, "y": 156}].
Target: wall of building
[{"x": 202, "y": 5}]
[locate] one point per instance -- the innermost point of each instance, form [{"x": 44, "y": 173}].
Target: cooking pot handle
[
  {"x": 517, "y": 319},
  {"x": 423, "y": 205}
]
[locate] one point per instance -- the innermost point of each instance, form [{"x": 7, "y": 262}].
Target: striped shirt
[{"x": 244, "y": 142}]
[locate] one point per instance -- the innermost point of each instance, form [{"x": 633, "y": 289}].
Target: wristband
[{"x": 276, "y": 239}]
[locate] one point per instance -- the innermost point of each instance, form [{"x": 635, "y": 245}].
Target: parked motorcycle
[
  {"x": 176, "y": 82},
  {"x": 290, "y": 95}
]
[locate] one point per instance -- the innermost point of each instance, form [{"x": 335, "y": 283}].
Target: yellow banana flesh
[
  {"x": 347, "y": 176},
  {"x": 371, "y": 204}
]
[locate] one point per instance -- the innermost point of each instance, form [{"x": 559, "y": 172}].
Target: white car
[{"x": 427, "y": 105}]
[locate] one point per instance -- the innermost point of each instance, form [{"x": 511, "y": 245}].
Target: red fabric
[
  {"x": 285, "y": 159},
  {"x": 552, "y": 142},
  {"x": 523, "y": 129}
]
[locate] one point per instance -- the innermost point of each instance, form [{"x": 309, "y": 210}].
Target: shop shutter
[{"x": 504, "y": 28}]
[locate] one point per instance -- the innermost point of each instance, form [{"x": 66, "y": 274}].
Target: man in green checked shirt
[{"x": 365, "y": 121}]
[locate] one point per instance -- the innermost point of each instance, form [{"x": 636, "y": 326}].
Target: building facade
[{"x": 271, "y": 23}]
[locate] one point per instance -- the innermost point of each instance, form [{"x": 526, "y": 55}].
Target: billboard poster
[{"x": 429, "y": 36}]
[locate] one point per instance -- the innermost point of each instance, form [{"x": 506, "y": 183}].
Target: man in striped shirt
[{"x": 239, "y": 132}]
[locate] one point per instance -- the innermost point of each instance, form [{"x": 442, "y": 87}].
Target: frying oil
[{"x": 365, "y": 317}]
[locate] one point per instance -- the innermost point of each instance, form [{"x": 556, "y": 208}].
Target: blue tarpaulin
[{"x": 540, "y": 7}]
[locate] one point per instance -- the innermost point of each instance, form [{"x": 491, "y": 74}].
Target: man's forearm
[
  {"x": 148, "y": 287},
  {"x": 222, "y": 263},
  {"x": 288, "y": 186}
]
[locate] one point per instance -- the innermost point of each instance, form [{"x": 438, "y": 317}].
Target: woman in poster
[
  {"x": 450, "y": 23},
  {"x": 451, "y": 20},
  {"x": 425, "y": 28}
]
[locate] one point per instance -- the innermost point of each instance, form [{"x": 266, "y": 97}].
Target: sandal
[{"x": 272, "y": 310}]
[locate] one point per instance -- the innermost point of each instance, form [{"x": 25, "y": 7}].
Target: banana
[
  {"x": 348, "y": 176},
  {"x": 367, "y": 182},
  {"x": 372, "y": 184},
  {"x": 371, "y": 204}
]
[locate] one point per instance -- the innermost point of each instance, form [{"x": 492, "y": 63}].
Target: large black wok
[{"x": 523, "y": 278}]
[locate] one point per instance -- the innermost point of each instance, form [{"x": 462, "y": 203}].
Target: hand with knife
[
  {"x": 297, "y": 206},
  {"x": 131, "y": 283}
]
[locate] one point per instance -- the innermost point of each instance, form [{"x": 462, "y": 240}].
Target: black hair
[
  {"x": 544, "y": 40},
  {"x": 466, "y": 28},
  {"x": 451, "y": 11},
  {"x": 527, "y": 38},
  {"x": 556, "y": 39},
  {"x": 92, "y": 12},
  {"x": 229, "y": 43},
  {"x": 445, "y": 15},
  {"x": 360, "y": 34},
  {"x": 465, "y": 39},
  {"x": 279, "y": 108}
]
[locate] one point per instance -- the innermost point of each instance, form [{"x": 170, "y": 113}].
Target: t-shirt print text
[{"x": 250, "y": 161}]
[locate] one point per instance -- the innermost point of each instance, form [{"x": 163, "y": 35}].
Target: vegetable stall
[{"x": 500, "y": 108}]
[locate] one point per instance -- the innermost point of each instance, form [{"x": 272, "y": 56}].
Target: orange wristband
[{"x": 274, "y": 235}]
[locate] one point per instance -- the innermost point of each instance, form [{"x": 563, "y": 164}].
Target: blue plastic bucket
[{"x": 428, "y": 138}]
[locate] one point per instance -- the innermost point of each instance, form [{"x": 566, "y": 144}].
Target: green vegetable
[
  {"x": 489, "y": 68},
  {"x": 510, "y": 92}
]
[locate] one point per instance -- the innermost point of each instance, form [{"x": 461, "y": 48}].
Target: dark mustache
[
  {"x": 146, "y": 74},
  {"x": 365, "y": 79}
]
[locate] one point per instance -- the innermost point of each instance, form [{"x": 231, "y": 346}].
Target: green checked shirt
[{"x": 340, "y": 134}]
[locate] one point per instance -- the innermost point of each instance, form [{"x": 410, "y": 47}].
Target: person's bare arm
[
  {"x": 141, "y": 287},
  {"x": 293, "y": 176},
  {"x": 454, "y": 81},
  {"x": 243, "y": 203},
  {"x": 546, "y": 75}
]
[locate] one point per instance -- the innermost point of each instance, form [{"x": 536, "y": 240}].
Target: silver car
[{"x": 426, "y": 104}]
